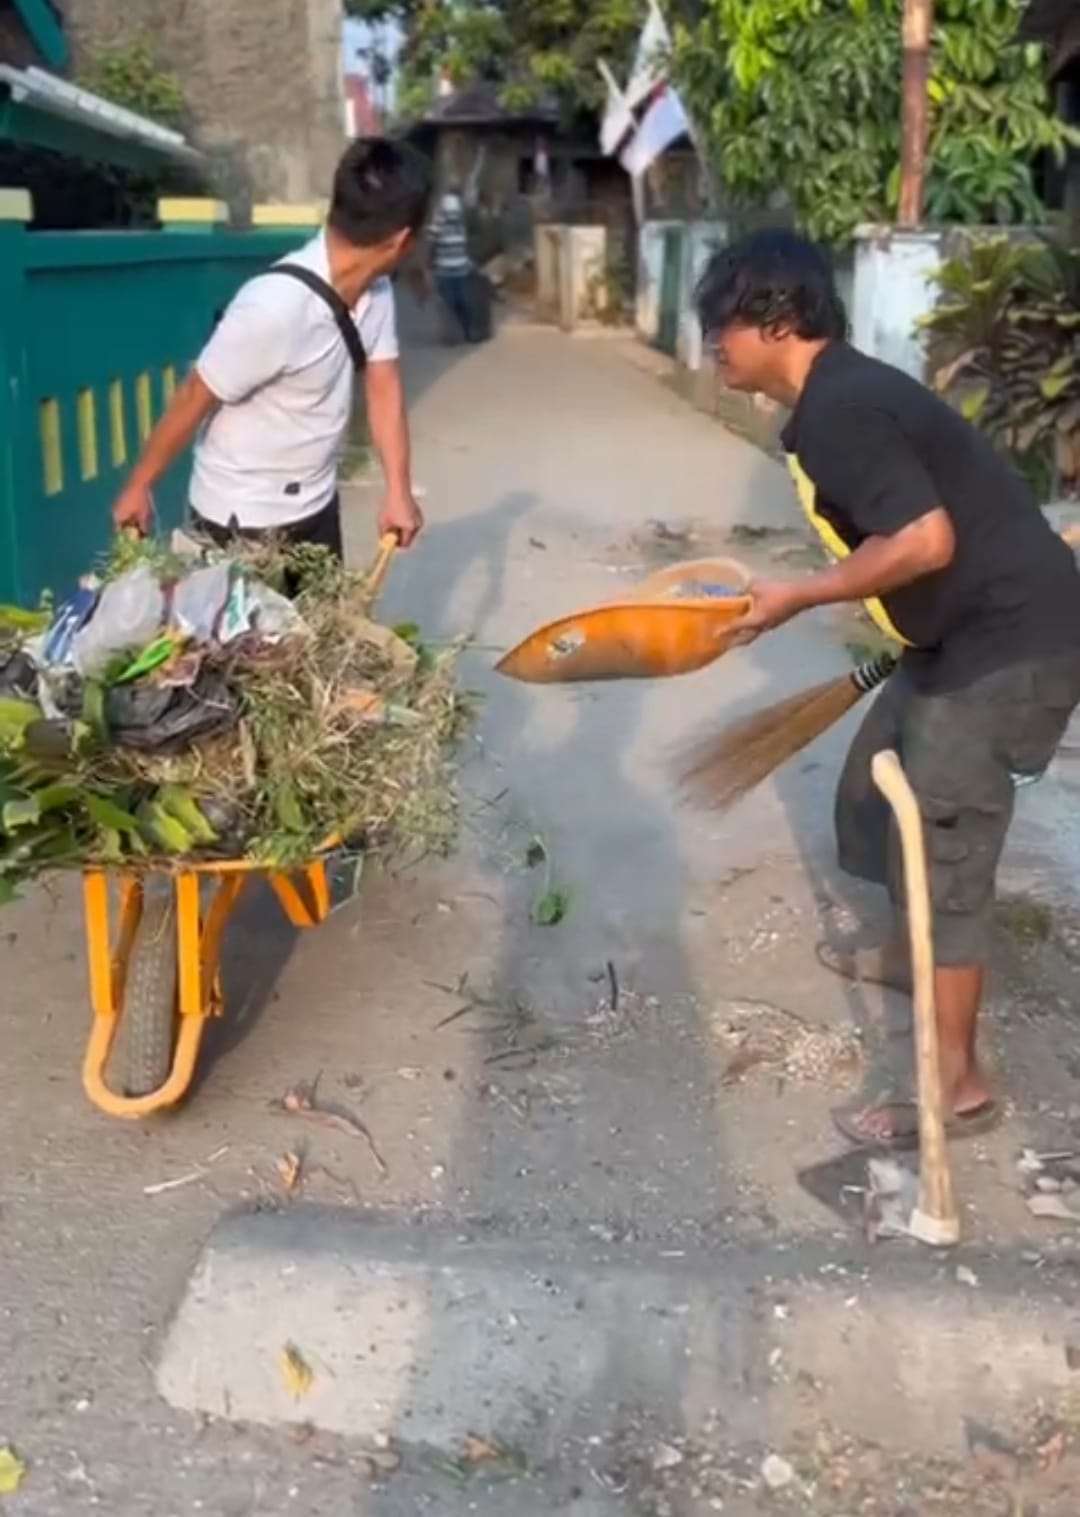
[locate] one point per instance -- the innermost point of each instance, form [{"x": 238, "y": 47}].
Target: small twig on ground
[
  {"x": 300, "y": 1102},
  {"x": 163, "y": 1186}
]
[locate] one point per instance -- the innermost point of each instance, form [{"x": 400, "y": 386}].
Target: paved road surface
[{"x": 548, "y": 1120}]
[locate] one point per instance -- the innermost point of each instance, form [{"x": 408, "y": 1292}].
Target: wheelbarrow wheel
[{"x": 145, "y": 1045}]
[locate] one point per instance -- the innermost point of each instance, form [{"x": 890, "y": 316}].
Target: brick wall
[{"x": 262, "y": 79}]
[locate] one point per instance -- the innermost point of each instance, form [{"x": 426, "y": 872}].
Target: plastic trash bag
[
  {"x": 129, "y": 615},
  {"x": 168, "y": 718},
  {"x": 273, "y": 616},
  {"x": 236, "y": 618},
  {"x": 18, "y": 675},
  {"x": 69, "y": 621},
  {"x": 199, "y": 601}
]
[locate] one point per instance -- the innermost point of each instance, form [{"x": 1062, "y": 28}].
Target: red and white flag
[
  {"x": 651, "y": 60},
  {"x": 664, "y": 122},
  {"x": 618, "y": 122}
]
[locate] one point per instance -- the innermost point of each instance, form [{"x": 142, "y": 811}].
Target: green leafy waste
[
  {"x": 344, "y": 733},
  {"x": 552, "y": 901}
]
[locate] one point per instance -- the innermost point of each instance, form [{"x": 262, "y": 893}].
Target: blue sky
[{"x": 356, "y": 35}]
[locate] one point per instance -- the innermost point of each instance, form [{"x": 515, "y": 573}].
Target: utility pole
[{"x": 915, "y": 110}]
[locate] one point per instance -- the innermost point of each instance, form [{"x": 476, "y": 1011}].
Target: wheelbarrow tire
[{"x": 146, "y": 1038}]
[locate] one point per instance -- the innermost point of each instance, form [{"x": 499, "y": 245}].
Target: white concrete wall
[
  {"x": 703, "y": 239},
  {"x": 549, "y": 243},
  {"x": 571, "y": 273},
  {"x": 650, "y": 272},
  {"x": 893, "y": 289},
  {"x": 700, "y": 239},
  {"x": 586, "y": 267}
]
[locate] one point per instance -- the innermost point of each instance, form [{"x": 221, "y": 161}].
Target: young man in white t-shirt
[{"x": 269, "y": 401}]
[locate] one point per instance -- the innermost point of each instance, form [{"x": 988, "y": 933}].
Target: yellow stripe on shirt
[{"x": 835, "y": 544}]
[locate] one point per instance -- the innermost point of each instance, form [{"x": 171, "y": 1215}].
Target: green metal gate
[
  {"x": 671, "y": 267},
  {"x": 97, "y": 329}
]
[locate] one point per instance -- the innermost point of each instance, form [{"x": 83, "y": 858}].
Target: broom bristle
[{"x": 720, "y": 769}]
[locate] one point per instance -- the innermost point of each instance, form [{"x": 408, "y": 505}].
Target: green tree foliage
[
  {"x": 130, "y": 76},
  {"x": 802, "y": 97},
  {"x": 534, "y": 50}
]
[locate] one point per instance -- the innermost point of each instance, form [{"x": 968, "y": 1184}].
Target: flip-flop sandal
[
  {"x": 903, "y": 1136},
  {"x": 842, "y": 962}
]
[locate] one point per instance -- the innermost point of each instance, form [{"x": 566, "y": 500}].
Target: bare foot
[{"x": 969, "y": 1093}]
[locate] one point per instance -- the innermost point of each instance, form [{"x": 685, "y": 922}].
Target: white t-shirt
[{"x": 269, "y": 455}]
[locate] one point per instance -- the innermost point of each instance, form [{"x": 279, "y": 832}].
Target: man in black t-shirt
[{"x": 940, "y": 539}]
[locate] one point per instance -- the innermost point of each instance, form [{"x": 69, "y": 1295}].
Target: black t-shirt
[{"x": 881, "y": 450}]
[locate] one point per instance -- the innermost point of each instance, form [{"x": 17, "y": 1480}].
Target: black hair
[
  {"x": 773, "y": 280},
  {"x": 380, "y": 188}
]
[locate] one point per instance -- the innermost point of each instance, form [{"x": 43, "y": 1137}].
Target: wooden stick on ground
[{"x": 935, "y": 1219}]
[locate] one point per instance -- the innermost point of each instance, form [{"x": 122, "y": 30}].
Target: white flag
[
  {"x": 664, "y": 123},
  {"x": 650, "y": 62},
  {"x": 618, "y": 120}
]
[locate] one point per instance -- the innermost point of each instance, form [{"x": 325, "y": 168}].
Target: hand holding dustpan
[{"x": 674, "y": 622}]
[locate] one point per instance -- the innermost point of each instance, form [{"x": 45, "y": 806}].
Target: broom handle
[
  {"x": 937, "y": 1221},
  {"x": 874, "y": 672}
]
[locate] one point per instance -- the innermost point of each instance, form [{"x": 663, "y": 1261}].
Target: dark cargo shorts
[{"x": 962, "y": 751}]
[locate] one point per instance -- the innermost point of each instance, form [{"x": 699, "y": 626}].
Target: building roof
[
  {"x": 1056, "y": 23},
  {"x": 40, "y": 110},
  {"x": 479, "y": 105}
]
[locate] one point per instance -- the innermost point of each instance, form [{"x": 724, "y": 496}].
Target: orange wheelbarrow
[{"x": 154, "y": 989}]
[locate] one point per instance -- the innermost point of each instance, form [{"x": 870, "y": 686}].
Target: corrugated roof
[
  {"x": 41, "y": 91},
  {"x": 479, "y": 105}
]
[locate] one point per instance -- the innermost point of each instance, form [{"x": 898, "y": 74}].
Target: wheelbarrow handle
[{"x": 388, "y": 546}]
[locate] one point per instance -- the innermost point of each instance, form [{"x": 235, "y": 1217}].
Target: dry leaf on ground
[
  {"x": 12, "y": 1471},
  {"x": 290, "y": 1168},
  {"x": 479, "y": 1450},
  {"x": 296, "y": 1372}
]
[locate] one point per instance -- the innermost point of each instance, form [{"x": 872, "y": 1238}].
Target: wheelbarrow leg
[{"x": 304, "y": 894}]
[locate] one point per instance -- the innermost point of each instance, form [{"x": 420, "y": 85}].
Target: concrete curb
[{"x": 424, "y": 1335}]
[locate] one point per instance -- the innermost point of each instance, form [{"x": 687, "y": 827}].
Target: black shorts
[
  {"x": 321, "y": 530},
  {"x": 961, "y": 750}
]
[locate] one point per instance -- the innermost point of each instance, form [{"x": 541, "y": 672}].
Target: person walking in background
[
  {"x": 269, "y": 401},
  {"x": 451, "y": 264}
]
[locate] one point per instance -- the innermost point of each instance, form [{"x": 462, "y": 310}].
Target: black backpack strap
[{"x": 336, "y": 306}]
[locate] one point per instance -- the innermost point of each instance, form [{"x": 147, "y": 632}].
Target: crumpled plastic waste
[
  {"x": 199, "y": 601},
  {"x": 18, "y": 675},
  {"x": 236, "y": 619},
  {"x": 272, "y": 615},
  {"x": 158, "y": 718},
  {"x": 129, "y": 614},
  {"x": 72, "y": 616}
]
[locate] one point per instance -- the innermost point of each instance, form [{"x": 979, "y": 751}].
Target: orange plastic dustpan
[{"x": 677, "y": 620}]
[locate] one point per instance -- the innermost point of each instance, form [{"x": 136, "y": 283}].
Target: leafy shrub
[{"x": 1004, "y": 346}]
